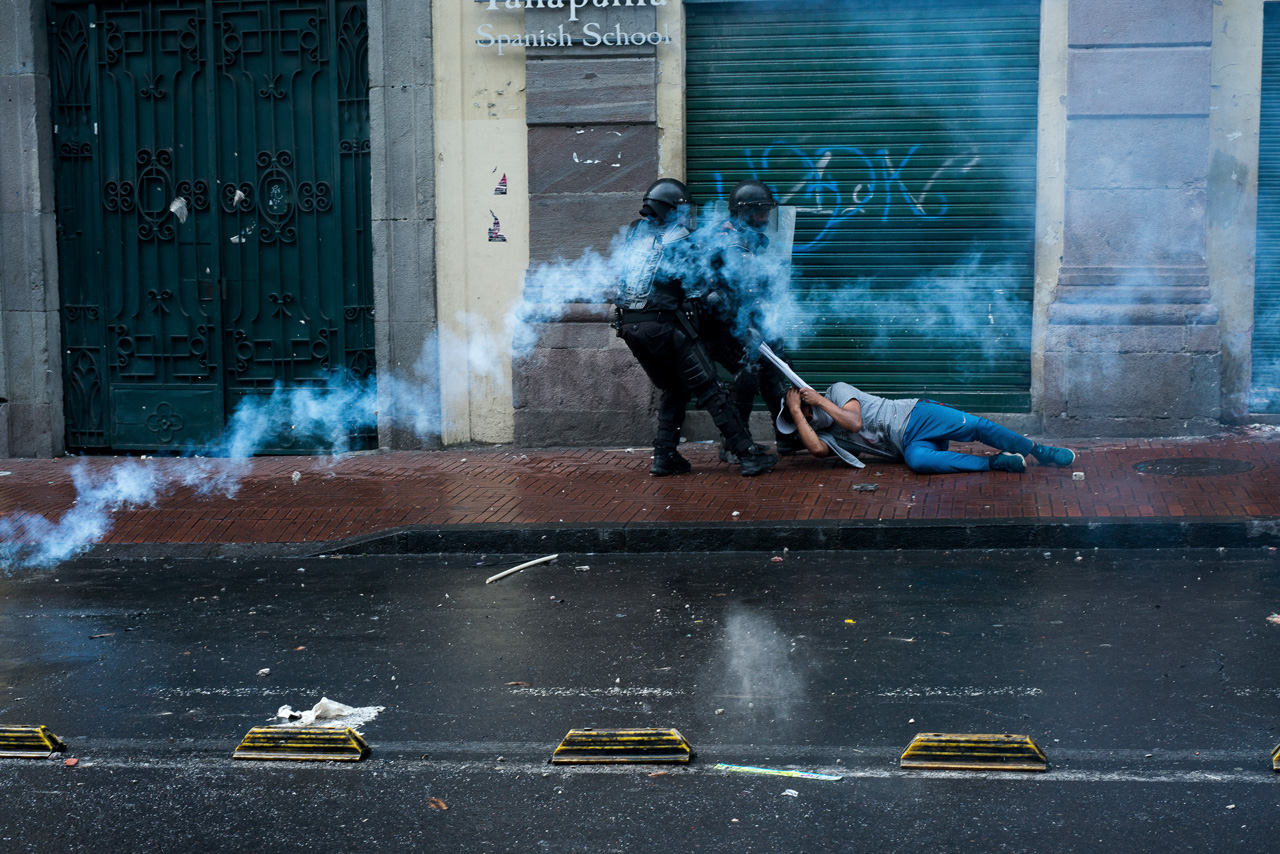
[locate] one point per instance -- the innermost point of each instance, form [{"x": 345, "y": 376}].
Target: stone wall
[
  {"x": 1133, "y": 347},
  {"x": 578, "y": 384}
]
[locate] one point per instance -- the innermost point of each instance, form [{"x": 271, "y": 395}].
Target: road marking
[
  {"x": 958, "y": 692},
  {"x": 614, "y": 691}
]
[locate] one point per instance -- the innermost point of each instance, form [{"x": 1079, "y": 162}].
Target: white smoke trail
[
  {"x": 98, "y": 497},
  {"x": 758, "y": 665},
  {"x": 326, "y": 416}
]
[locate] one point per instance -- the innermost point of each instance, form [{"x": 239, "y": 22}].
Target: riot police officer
[
  {"x": 653, "y": 318},
  {"x": 737, "y": 303}
]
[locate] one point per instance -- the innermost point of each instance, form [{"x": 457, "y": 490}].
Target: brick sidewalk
[{"x": 337, "y": 498}]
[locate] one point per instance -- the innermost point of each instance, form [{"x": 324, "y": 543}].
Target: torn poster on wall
[
  {"x": 495, "y": 230},
  {"x": 501, "y": 189}
]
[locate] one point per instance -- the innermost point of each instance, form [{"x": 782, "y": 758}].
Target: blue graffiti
[{"x": 843, "y": 182}]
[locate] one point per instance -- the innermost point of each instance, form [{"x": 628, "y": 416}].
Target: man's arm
[
  {"x": 804, "y": 429},
  {"x": 849, "y": 418}
]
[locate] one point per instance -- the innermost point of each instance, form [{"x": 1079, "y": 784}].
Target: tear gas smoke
[
  {"x": 327, "y": 416},
  {"x": 971, "y": 300},
  {"x": 760, "y": 670},
  {"x": 128, "y": 484}
]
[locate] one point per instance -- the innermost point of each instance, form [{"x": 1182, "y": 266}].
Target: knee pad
[{"x": 696, "y": 368}]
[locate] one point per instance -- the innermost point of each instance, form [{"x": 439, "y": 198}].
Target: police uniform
[{"x": 654, "y": 321}]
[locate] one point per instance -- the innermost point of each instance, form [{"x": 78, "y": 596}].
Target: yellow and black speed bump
[
  {"x": 29, "y": 742},
  {"x": 622, "y": 745},
  {"x": 1275, "y": 759},
  {"x": 303, "y": 743},
  {"x": 965, "y": 752}
]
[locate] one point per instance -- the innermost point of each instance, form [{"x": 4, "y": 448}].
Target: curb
[
  {"x": 650, "y": 537},
  {"x": 695, "y": 537}
]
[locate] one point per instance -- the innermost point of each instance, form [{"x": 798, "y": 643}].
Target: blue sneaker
[
  {"x": 1051, "y": 456},
  {"x": 1015, "y": 463}
]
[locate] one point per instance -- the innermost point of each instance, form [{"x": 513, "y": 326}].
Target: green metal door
[
  {"x": 212, "y": 178},
  {"x": 1265, "y": 392},
  {"x": 905, "y": 134}
]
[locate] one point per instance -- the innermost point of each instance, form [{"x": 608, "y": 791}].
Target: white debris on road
[{"x": 329, "y": 713}]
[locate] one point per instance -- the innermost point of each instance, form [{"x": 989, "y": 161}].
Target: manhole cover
[{"x": 1182, "y": 467}]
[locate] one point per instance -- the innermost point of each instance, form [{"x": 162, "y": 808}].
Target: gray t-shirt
[{"x": 884, "y": 421}]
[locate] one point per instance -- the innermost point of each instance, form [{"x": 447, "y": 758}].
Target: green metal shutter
[
  {"x": 1265, "y": 394},
  {"x": 905, "y": 134}
]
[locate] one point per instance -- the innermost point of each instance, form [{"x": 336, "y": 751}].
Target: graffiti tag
[{"x": 842, "y": 182}]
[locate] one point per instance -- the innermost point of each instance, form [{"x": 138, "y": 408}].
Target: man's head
[
  {"x": 667, "y": 198},
  {"x": 750, "y": 203},
  {"x": 818, "y": 420}
]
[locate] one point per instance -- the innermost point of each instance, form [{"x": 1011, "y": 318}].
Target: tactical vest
[{"x": 647, "y": 244}]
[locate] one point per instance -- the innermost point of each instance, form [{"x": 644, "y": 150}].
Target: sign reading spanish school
[{"x": 573, "y": 31}]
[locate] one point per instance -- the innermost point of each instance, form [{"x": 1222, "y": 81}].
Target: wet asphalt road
[{"x": 1150, "y": 679}]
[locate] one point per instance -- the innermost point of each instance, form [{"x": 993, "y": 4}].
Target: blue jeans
[{"x": 931, "y": 427}]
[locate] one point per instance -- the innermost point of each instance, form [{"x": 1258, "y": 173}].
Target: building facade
[{"x": 1046, "y": 210}]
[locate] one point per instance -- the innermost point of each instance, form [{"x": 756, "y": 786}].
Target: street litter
[
  {"x": 437, "y": 804},
  {"x": 295, "y": 477},
  {"x": 865, "y": 487},
  {"x": 778, "y": 772},
  {"x": 776, "y": 559},
  {"x": 520, "y": 684},
  {"x": 791, "y": 793},
  {"x": 266, "y": 671},
  {"x": 1077, "y": 475},
  {"x": 524, "y": 565},
  {"x": 178, "y": 207},
  {"x": 72, "y": 762},
  {"x": 1274, "y": 619},
  {"x": 329, "y": 713},
  {"x": 95, "y": 637},
  {"x": 582, "y": 568}
]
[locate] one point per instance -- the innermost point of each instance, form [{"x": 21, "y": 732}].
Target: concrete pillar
[
  {"x": 31, "y": 418},
  {"x": 1133, "y": 346},
  {"x": 401, "y": 104},
  {"x": 1236, "y": 105}
]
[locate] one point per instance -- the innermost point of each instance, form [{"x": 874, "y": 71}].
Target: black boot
[
  {"x": 667, "y": 461},
  {"x": 755, "y": 461},
  {"x": 788, "y": 444},
  {"x": 730, "y": 457}
]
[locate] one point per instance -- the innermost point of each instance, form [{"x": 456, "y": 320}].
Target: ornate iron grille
[{"x": 213, "y": 212}]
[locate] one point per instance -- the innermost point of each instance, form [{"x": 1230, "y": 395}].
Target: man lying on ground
[{"x": 847, "y": 421}]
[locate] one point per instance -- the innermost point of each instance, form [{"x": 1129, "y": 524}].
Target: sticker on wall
[
  {"x": 501, "y": 189},
  {"x": 495, "y": 230}
]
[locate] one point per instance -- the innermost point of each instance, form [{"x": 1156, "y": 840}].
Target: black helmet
[
  {"x": 750, "y": 194},
  {"x": 664, "y": 196}
]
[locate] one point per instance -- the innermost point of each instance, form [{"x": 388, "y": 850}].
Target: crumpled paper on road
[{"x": 329, "y": 713}]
